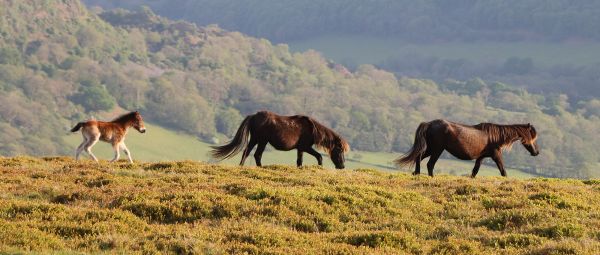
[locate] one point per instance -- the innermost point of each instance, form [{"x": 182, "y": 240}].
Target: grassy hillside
[
  {"x": 160, "y": 144},
  {"x": 58, "y": 205}
]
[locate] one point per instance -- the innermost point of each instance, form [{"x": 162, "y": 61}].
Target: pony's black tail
[
  {"x": 418, "y": 149},
  {"x": 77, "y": 127},
  {"x": 238, "y": 143}
]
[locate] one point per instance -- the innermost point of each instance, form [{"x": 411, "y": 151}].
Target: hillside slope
[
  {"x": 56, "y": 204},
  {"x": 70, "y": 63}
]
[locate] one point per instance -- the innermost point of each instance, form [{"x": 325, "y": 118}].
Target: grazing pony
[
  {"x": 112, "y": 132},
  {"x": 467, "y": 143},
  {"x": 284, "y": 133}
]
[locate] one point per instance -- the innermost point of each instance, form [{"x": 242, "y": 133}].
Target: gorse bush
[{"x": 61, "y": 205}]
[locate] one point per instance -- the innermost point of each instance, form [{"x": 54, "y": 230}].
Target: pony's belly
[
  {"x": 467, "y": 145},
  {"x": 282, "y": 146},
  {"x": 462, "y": 155},
  {"x": 466, "y": 151}
]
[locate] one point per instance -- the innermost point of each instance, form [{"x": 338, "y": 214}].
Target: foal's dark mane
[
  {"x": 125, "y": 117},
  {"x": 326, "y": 138},
  {"x": 504, "y": 135}
]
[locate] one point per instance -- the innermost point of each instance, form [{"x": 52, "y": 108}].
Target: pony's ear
[{"x": 529, "y": 125}]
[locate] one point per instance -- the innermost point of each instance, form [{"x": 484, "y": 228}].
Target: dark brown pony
[
  {"x": 284, "y": 133},
  {"x": 112, "y": 132},
  {"x": 467, "y": 143}
]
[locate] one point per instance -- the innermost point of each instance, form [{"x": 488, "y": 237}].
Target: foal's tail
[
  {"x": 418, "y": 149},
  {"x": 77, "y": 127},
  {"x": 238, "y": 143}
]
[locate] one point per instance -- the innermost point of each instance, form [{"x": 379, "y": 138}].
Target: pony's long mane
[
  {"x": 504, "y": 135},
  {"x": 124, "y": 117},
  {"x": 326, "y": 138}
]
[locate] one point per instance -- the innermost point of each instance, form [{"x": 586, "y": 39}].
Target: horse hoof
[{"x": 415, "y": 173}]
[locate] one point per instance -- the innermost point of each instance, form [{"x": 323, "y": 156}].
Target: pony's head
[
  {"x": 529, "y": 140},
  {"x": 138, "y": 122},
  {"x": 336, "y": 153},
  {"x": 331, "y": 142}
]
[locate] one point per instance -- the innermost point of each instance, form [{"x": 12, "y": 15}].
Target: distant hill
[
  {"x": 545, "y": 46},
  {"x": 422, "y": 21},
  {"x": 57, "y": 205},
  {"x": 61, "y": 63}
]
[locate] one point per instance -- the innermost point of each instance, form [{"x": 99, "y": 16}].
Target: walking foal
[{"x": 112, "y": 132}]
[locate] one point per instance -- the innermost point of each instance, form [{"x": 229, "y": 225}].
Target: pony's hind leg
[
  {"x": 258, "y": 153},
  {"x": 418, "y": 163},
  {"x": 476, "y": 167},
  {"x": 247, "y": 151},
  {"x": 432, "y": 160},
  {"x": 80, "y": 148},
  {"x": 299, "y": 160},
  {"x": 88, "y": 147},
  {"x": 124, "y": 148}
]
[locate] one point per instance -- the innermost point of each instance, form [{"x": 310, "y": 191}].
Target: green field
[
  {"x": 372, "y": 50},
  {"x": 160, "y": 144},
  {"x": 60, "y": 206}
]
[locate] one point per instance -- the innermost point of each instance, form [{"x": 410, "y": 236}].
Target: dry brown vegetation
[{"x": 59, "y": 205}]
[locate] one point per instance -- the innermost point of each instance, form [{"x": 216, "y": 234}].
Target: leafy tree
[
  {"x": 9, "y": 55},
  {"x": 228, "y": 121},
  {"x": 93, "y": 97}
]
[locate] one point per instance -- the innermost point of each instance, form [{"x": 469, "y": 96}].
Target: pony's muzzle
[{"x": 142, "y": 130}]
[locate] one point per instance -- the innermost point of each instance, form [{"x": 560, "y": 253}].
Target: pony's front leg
[
  {"x": 476, "y": 167},
  {"x": 299, "y": 160},
  {"x": 124, "y": 148},
  {"x": 316, "y": 154},
  {"x": 117, "y": 154},
  {"x": 499, "y": 162}
]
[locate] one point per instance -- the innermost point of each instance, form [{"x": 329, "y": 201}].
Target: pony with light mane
[
  {"x": 284, "y": 133},
  {"x": 467, "y": 143},
  {"x": 112, "y": 132}
]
